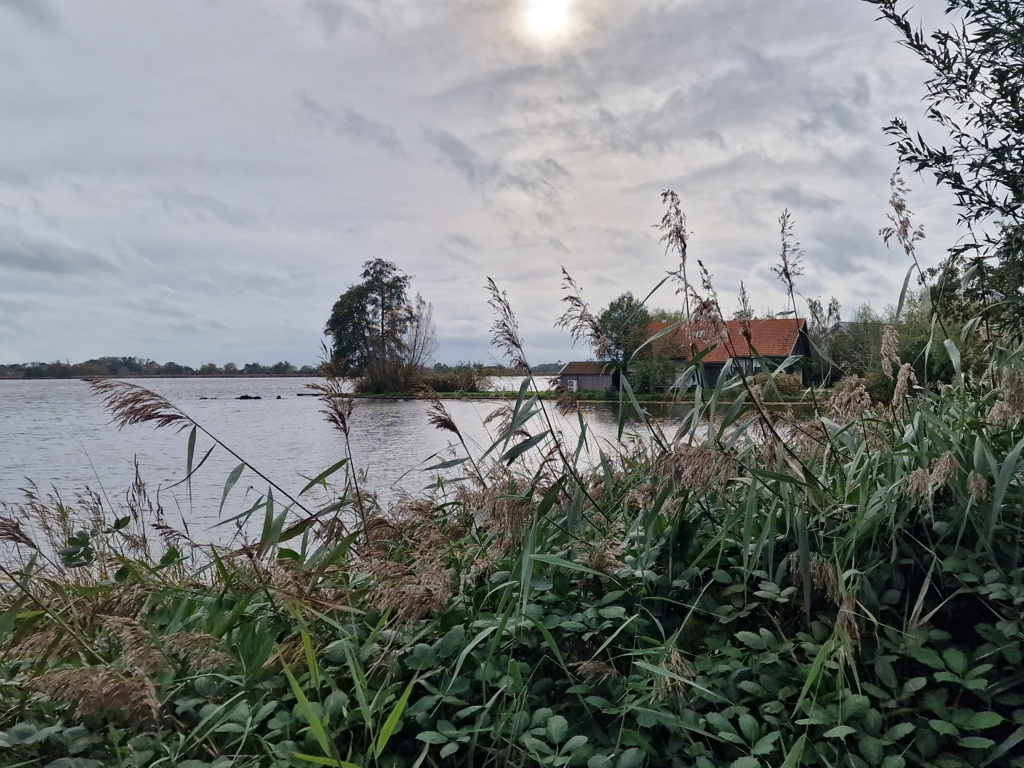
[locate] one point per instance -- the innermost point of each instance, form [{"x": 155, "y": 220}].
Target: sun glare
[{"x": 546, "y": 19}]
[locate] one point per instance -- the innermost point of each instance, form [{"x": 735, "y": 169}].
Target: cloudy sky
[{"x": 198, "y": 180}]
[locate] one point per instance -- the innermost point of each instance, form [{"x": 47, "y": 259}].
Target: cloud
[
  {"x": 37, "y": 13},
  {"x": 13, "y": 178},
  {"x": 203, "y": 208},
  {"x": 540, "y": 178},
  {"x": 354, "y": 124},
  {"x": 795, "y": 196},
  {"x": 21, "y": 250}
]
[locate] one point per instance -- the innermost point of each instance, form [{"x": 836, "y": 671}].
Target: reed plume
[{"x": 130, "y": 404}]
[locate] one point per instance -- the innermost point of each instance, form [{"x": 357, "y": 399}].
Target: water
[{"x": 57, "y": 433}]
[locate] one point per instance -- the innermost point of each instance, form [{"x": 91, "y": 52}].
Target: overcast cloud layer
[{"x": 199, "y": 180}]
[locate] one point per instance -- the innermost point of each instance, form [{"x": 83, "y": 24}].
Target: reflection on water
[{"x": 57, "y": 434}]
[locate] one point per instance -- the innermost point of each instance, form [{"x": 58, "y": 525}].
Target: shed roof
[
  {"x": 771, "y": 337},
  {"x": 588, "y": 368}
]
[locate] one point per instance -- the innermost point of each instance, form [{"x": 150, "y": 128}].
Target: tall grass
[{"x": 749, "y": 589}]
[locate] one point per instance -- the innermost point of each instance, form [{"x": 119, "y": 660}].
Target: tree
[
  {"x": 856, "y": 349},
  {"x": 975, "y": 96},
  {"x": 378, "y": 336},
  {"x": 368, "y": 321},
  {"x": 624, "y": 324},
  {"x": 419, "y": 341}
]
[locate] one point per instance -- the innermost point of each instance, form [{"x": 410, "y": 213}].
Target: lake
[{"x": 57, "y": 433}]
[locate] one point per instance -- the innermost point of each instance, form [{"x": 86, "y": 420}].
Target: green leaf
[
  {"x": 633, "y": 757},
  {"x": 232, "y": 479},
  {"x": 871, "y": 748},
  {"x": 898, "y": 731},
  {"x": 748, "y": 727},
  {"x": 955, "y": 660},
  {"x": 449, "y": 749},
  {"x": 946, "y": 729},
  {"x": 746, "y": 762},
  {"x": 574, "y": 743},
  {"x": 751, "y": 639},
  {"x": 766, "y": 744},
  {"x": 976, "y": 742},
  {"x": 328, "y": 761},
  {"x": 453, "y": 640},
  {"x": 978, "y": 721},
  {"x": 432, "y": 737},
  {"x": 839, "y": 732},
  {"x": 519, "y": 449},
  {"x": 322, "y": 477},
  {"x": 557, "y": 729}
]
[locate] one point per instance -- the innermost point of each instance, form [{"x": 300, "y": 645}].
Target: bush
[{"x": 785, "y": 384}]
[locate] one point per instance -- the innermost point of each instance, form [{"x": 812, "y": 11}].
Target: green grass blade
[
  {"x": 392, "y": 722},
  {"x": 321, "y": 479},
  {"x": 232, "y": 479}
]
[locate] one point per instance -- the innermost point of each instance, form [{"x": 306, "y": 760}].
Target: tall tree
[
  {"x": 624, "y": 324},
  {"x": 976, "y": 96},
  {"x": 368, "y": 321}
]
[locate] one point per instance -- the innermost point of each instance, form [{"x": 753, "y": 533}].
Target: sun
[{"x": 546, "y": 19}]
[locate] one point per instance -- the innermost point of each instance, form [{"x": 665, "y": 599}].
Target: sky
[{"x": 199, "y": 180}]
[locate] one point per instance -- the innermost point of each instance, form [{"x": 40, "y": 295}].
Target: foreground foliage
[{"x": 752, "y": 591}]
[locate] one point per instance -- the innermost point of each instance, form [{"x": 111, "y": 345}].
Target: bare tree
[{"x": 419, "y": 342}]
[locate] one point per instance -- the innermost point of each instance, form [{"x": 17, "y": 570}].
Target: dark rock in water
[
  {"x": 278, "y": 397},
  {"x": 248, "y": 397}
]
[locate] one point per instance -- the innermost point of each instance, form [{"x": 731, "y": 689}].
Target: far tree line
[{"x": 141, "y": 366}]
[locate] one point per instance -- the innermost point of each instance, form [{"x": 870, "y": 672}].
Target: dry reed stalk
[
  {"x": 905, "y": 379},
  {"x": 505, "y": 329},
  {"x": 822, "y": 572},
  {"x": 595, "y": 672},
  {"x": 943, "y": 469},
  {"x": 101, "y": 690},
  {"x": 849, "y": 400},
  {"x": 199, "y": 652},
  {"x": 673, "y": 690},
  {"x": 901, "y": 227},
  {"x": 130, "y": 404},
  {"x": 890, "y": 351},
  {"x": 977, "y": 487},
  {"x": 697, "y": 468},
  {"x": 1009, "y": 405},
  {"x": 919, "y": 484},
  {"x": 676, "y": 238},
  {"x": 140, "y": 653},
  {"x": 580, "y": 321},
  {"x": 12, "y": 532},
  {"x": 791, "y": 255},
  {"x": 603, "y": 546},
  {"x": 337, "y": 405}
]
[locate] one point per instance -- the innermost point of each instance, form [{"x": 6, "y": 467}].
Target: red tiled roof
[
  {"x": 772, "y": 337},
  {"x": 586, "y": 369}
]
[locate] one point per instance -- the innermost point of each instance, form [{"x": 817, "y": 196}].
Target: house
[
  {"x": 774, "y": 339},
  {"x": 586, "y": 376}
]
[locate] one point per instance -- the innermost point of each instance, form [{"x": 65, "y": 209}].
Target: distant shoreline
[{"x": 167, "y": 376}]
